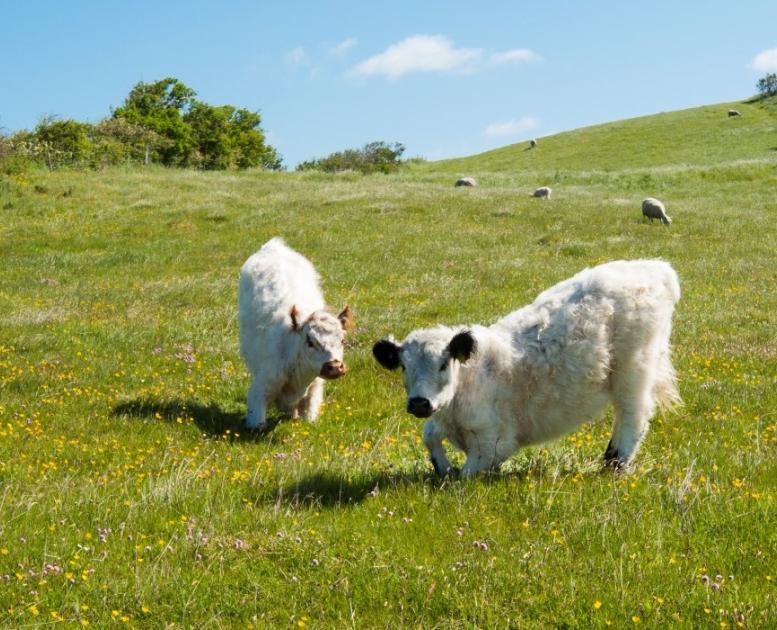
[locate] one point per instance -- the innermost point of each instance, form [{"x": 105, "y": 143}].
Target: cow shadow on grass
[
  {"x": 330, "y": 489},
  {"x": 336, "y": 489},
  {"x": 340, "y": 489},
  {"x": 210, "y": 418}
]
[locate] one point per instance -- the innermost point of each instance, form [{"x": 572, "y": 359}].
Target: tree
[
  {"x": 160, "y": 107},
  {"x": 374, "y": 157},
  {"x": 249, "y": 141},
  {"x": 767, "y": 86},
  {"x": 196, "y": 133},
  {"x": 227, "y": 137},
  {"x": 211, "y": 134}
]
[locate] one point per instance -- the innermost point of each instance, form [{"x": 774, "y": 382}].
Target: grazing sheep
[
  {"x": 466, "y": 181},
  {"x": 532, "y": 144},
  {"x": 541, "y": 371},
  {"x": 654, "y": 209},
  {"x": 543, "y": 192},
  {"x": 733, "y": 113},
  {"x": 287, "y": 338}
]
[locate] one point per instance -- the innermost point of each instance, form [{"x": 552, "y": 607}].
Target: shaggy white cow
[
  {"x": 289, "y": 341},
  {"x": 536, "y": 374}
]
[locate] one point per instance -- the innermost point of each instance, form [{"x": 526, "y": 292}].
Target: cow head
[
  {"x": 321, "y": 336},
  {"x": 430, "y": 360}
]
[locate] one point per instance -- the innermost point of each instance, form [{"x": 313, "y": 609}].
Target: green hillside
[
  {"x": 131, "y": 495},
  {"x": 701, "y": 136}
]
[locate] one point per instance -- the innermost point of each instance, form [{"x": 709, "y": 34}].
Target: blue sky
[{"x": 444, "y": 78}]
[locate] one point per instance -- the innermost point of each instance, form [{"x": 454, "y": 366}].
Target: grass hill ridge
[{"x": 695, "y": 137}]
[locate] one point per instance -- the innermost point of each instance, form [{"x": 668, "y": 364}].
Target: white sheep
[
  {"x": 654, "y": 209},
  {"x": 288, "y": 339},
  {"x": 543, "y": 192},
  {"x": 541, "y": 371}
]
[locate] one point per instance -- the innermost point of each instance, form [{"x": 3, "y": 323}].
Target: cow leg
[
  {"x": 477, "y": 462},
  {"x": 433, "y": 436},
  {"x": 257, "y": 406},
  {"x": 634, "y": 405},
  {"x": 310, "y": 404},
  {"x": 483, "y": 453}
]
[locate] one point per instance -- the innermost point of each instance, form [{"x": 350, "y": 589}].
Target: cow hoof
[
  {"x": 617, "y": 464},
  {"x": 444, "y": 472},
  {"x": 612, "y": 459}
]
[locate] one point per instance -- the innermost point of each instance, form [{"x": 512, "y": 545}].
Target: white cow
[
  {"x": 289, "y": 341},
  {"x": 539, "y": 372}
]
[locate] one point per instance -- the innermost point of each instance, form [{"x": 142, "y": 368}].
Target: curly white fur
[
  {"x": 287, "y": 338},
  {"x": 538, "y": 373}
]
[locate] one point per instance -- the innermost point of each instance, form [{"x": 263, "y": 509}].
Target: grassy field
[{"x": 131, "y": 497}]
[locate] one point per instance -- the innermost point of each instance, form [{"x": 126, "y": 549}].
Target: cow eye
[
  {"x": 309, "y": 342},
  {"x": 444, "y": 366}
]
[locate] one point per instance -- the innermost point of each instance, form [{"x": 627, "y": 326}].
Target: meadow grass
[{"x": 131, "y": 496}]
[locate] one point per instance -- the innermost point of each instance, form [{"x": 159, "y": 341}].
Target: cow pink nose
[{"x": 333, "y": 369}]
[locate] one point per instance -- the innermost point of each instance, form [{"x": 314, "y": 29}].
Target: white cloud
[
  {"x": 338, "y": 50},
  {"x": 297, "y": 56},
  {"x": 512, "y": 127},
  {"x": 419, "y": 53},
  {"x": 765, "y": 60},
  {"x": 515, "y": 55}
]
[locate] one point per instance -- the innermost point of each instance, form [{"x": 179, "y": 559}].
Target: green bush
[
  {"x": 120, "y": 141},
  {"x": 374, "y": 157},
  {"x": 58, "y": 143},
  {"x": 63, "y": 142}
]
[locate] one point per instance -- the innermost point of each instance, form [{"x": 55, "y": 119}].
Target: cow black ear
[
  {"x": 386, "y": 353},
  {"x": 462, "y": 346}
]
